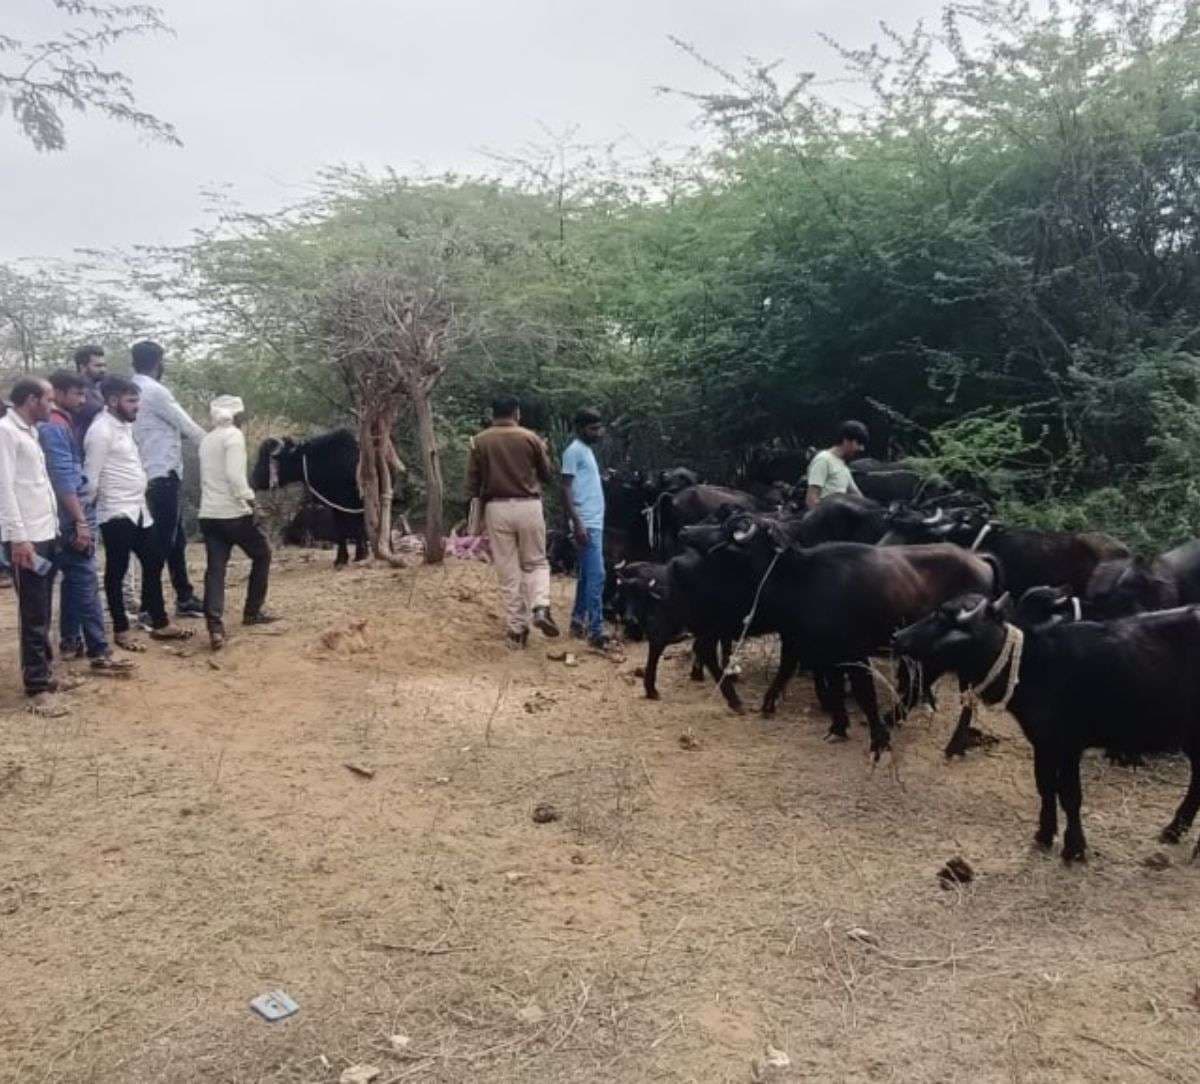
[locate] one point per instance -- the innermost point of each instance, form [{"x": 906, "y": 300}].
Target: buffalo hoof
[
  {"x": 956, "y": 749},
  {"x": 696, "y": 675},
  {"x": 835, "y": 735},
  {"x": 1170, "y": 834},
  {"x": 1073, "y": 854},
  {"x": 1043, "y": 840},
  {"x": 738, "y": 708},
  {"x": 767, "y": 710},
  {"x": 652, "y": 694}
]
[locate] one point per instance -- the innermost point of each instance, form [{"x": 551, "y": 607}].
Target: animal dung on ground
[
  {"x": 358, "y": 1074},
  {"x": 545, "y": 813},
  {"x": 1159, "y": 860},
  {"x": 773, "y": 1063},
  {"x": 689, "y": 741},
  {"x": 532, "y": 1013},
  {"x": 349, "y": 639},
  {"x": 274, "y": 1005},
  {"x": 556, "y": 656},
  {"x": 361, "y": 771},
  {"x": 539, "y": 702},
  {"x": 957, "y": 871},
  {"x": 863, "y": 937}
]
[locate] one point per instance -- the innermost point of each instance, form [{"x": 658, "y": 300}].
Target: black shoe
[
  {"x": 189, "y": 607},
  {"x": 543, "y": 621},
  {"x": 516, "y": 641},
  {"x": 600, "y": 643},
  {"x": 260, "y": 618},
  {"x": 578, "y": 632}
]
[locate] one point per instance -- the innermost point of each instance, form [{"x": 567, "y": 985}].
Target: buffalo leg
[
  {"x": 1070, "y": 795},
  {"x": 360, "y": 538},
  {"x": 697, "y": 673},
  {"x": 789, "y": 662},
  {"x": 862, "y": 683},
  {"x": 1045, "y": 774},
  {"x": 831, "y": 695},
  {"x": 1186, "y": 813},
  {"x": 655, "y": 647},
  {"x": 706, "y": 648}
]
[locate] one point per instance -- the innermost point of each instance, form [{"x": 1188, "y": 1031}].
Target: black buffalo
[
  {"x": 843, "y": 517},
  {"x": 1130, "y": 686},
  {"x": 1119, "y": 588},
  {"x": 886, "y": 482},
  {"x": 1029, "y": 558},
  {"x": 327, "y": 466},
  {"x": 832, "y": 605}
]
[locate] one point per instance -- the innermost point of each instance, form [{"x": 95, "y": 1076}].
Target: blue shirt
[
  {"x": 587, "y": 494},
  {"x": 64, "y": 466}
]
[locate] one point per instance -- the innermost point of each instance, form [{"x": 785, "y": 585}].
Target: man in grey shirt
[
  {"x": 159, "y": 431},
  {"x": 829, "y": 471}
]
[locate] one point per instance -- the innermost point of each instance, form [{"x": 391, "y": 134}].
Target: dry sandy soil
[{"x": 193, "y": 838}]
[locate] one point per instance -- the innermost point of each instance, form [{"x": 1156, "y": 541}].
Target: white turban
[{"x": 224, "y": 408}]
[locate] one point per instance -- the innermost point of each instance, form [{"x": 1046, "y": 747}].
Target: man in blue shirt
[
  {"x": 583, "y": 499},
  {"x": 81, "y": 615}
]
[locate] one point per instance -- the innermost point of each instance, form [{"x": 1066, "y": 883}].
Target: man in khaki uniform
[{"x": 506, "y": 471}]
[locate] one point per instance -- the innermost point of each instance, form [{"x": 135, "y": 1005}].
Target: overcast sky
[{"x": 264, "y": 92}]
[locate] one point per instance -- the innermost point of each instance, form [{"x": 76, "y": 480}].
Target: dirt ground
[{"x": 194, "y": 838}]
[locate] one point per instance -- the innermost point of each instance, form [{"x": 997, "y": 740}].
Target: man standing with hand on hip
[
  {"x": 227, "y": 520},
  {"x": 29, "y": 529},
  {"x": 583, "y": 499},
  {"x": 159, "y": 431},
  {"x": 507, "y": 468}
]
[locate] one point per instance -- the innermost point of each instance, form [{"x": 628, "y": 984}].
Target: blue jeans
[
  {"x": 589, "y": 593},
  {"x": 81, "y": 614}
]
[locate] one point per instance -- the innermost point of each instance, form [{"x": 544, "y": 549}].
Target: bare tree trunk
[
  {"x": 386, "y": 487},
  {"x": 435, "y": 542},
  {"x": 368, "y": 478}
]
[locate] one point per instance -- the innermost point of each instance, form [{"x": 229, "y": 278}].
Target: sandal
[
  {"x": 65, "y": 683},
  {"x": 171, "y": 632},
  {"x": 127, "y": 643},
  {"x": 47, "y": 706},
  {"x": 107, "y": 666}
]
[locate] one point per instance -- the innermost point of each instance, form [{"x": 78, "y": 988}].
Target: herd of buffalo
[{"x": 1086, "y": 645}]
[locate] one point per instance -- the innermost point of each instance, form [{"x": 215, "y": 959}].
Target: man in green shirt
[{"x": 829, "y": 471}]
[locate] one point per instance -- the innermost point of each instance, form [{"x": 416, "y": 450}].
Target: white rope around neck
[{"x": 1010, "y": 656}]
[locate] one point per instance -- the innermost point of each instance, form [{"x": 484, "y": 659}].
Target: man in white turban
[{"x": 227, "y": 519}]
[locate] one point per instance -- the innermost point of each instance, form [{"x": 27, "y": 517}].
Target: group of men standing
[{"x": 89, "y": 455}]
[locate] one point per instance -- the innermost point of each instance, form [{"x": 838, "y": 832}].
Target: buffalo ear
[{"x": 1001, "y": 606}]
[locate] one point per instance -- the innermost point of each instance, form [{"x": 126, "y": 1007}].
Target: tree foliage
[
  {"x": 41, "y": 80},
  {"x": 992, "y": 256}
]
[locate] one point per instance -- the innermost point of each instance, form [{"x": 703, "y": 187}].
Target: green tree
[{"x": 41, "y": 80}]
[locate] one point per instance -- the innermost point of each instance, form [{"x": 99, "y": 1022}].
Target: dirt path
[{"x": 192, "y": 839}]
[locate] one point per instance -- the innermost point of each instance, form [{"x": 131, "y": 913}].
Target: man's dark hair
[
  {"x": 505, "y": 406},
  {"x": 147, "y": 356},
  {"x": 854, "y": 431},
  {"x": 85, "y": 353},
  {"x": 586, "y": 416},
  {"x": 28, "y": 387},
  {"x": 116, "y": 386},
  {"x": 65, "y": 380}
]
